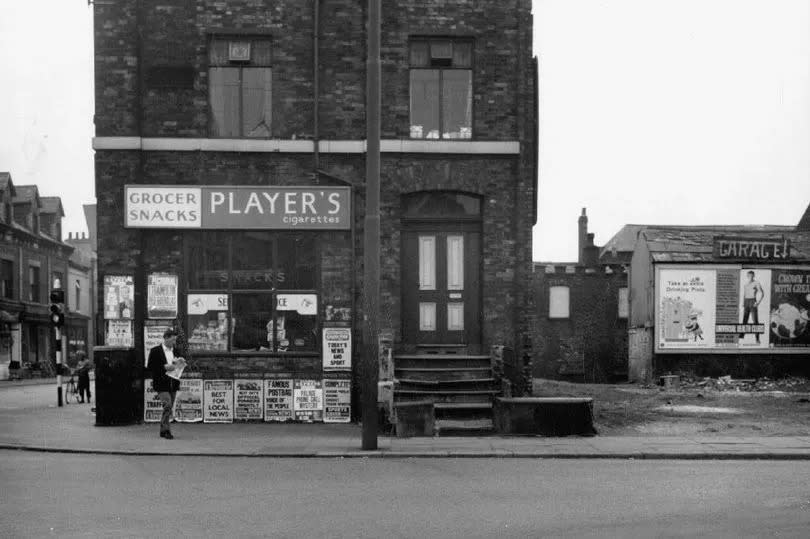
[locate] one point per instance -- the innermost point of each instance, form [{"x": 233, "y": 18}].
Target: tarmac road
[{"x": 71, "y": 495}]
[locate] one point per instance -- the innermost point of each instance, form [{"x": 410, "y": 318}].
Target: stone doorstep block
[
  {"x": 416, "y": 418},
  {"x": 549, "y": 416}
]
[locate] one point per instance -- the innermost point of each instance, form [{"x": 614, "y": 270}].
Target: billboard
[{"x": 732, "y": 308}]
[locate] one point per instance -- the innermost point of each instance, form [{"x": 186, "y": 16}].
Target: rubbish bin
[{"x": 116, "y": 386}]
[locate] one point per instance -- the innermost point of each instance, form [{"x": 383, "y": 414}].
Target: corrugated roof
[
  {"x": 52, "y": 205},
  {"x": 696, "y": 244}
]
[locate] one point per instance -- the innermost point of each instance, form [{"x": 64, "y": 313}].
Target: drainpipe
[{"x": 316, "y": 90}]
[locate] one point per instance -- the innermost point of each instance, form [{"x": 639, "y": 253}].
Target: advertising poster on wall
[
  {"x": 248, "y": 400},
  {"x": 207, "y": 322},
  {"x": 337, "y": 349},
  {"x": 308, "y": 400},
  {"x": 790, "y": 308},
  {"x": 119, "y": 333},
  {"x": 152, "y": 407},
  {"x": 152, "y": 336},
  {"x": 218, "y": 401},
  {"x": 686, "y": 309},
  {"x": 337, "y": 400},
  {"x": 754, "y": 308},
  {"x": 278, "y": 400},
  {"x": 119, "y": 293},
  {"x": 188, "y": 405},
  {"x": 161, "y": 296}
]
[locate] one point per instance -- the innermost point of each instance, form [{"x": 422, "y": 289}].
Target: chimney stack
[
  {"x": 590, "y": 253},
  {"x": 583, "y": 236}
]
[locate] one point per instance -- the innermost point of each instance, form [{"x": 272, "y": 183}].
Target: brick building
[
  {"x": 579, "y": 329},
  {"x": 230, "y": 161},
  {"x": 32, "y": 256}
]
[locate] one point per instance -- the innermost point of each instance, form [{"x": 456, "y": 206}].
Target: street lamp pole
[{"x": 371, "y": 251}]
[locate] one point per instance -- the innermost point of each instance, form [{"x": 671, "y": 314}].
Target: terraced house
[{"x": 230, "y": 159}]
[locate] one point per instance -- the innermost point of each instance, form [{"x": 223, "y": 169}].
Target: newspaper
[{"x": 180, "y": 366}]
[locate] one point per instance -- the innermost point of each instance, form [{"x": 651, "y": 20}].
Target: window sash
[
  {"x": 559, "y": 302},
  {"x": 240, "y": 99},
  {"x": 440, "y": 103}
]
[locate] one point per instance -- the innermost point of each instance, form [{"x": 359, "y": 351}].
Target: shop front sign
[
  {"x": 238, "y": 207},
  {"x": 751, "y": 249}
]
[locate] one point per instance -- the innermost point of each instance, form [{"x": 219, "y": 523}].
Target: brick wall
[{"x": 590, "y": 345}]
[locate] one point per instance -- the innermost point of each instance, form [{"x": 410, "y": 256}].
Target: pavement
[{"x": 71, "y": 429}]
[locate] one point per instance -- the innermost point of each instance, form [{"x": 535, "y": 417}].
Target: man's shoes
[{"x": 167, "y": 435}]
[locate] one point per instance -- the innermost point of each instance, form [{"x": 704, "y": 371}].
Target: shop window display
[{"x": 252, "y": 292}]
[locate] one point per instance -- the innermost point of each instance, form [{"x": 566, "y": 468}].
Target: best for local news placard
[
  {"x": 248, "y": 400},
  {"x": 278, "y": 399},
  {"x": 218, "y": 401}
]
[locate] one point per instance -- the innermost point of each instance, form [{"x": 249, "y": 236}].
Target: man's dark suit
[{"x": 165, "y": 386}]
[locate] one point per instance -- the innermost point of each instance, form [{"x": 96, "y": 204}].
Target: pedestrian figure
[
  {"x": 83, "y": 370},
  {"x": 162, "y": 361}
]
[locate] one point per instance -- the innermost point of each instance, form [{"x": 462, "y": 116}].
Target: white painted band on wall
[{"x": 509, "y": 147}]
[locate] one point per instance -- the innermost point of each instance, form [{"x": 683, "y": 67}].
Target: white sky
[{"x": 652, "y": 111}]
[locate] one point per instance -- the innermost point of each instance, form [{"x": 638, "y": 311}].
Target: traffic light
[{"x": 57, "y": 307}]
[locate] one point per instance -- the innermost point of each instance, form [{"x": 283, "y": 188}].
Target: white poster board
[
  {"x": 152, "y": 336},
  {"x": 119, "y": 333},
  {"x": 308, "y": 400},
  {"x": 337, "y": 400},
  {"x": 188, "y": 405},
  {"x": 248, "y": 400},
  {"x": 161, "y": 296},
  {"x": 152, "y": 407},
  {"x": 278, "y": 400},
  {"x": 337, "y": 349},
  {"x": 218, "y": 401},
  {"x": 119, "y": 295}
]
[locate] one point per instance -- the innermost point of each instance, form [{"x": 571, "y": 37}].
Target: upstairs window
[
  {"x": 34, "y": 285},
  {"x": 78, "y": 291},
  {"x": 6, "y": 279},
  {"x": 441, "y": 88},
  {"x": 239, "y": 87}
]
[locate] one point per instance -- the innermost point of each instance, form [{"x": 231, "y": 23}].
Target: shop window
[
  {"x": 441, "y": 88},
  {"x": 559, "y": 302},
  {"x": 252, "y": 292},
  {"x": 7, "y": 279},
  {"x": 624, "y": 302},
  {"x": 239, "y": 87},
  {"x": 34, "y": 284}
]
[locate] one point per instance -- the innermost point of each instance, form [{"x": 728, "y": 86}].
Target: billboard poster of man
[
  {"x": 755, "y": 296},
  {"x": 790, "y": 308},
  {"x": 686, "y": 308}
]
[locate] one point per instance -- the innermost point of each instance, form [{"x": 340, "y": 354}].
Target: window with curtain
[
  {"x": 34, "y": 284},
  {"x": 441, "y": 88},
  {"x": 240, "y": 87},
  {"x": 7, "y": 279}
]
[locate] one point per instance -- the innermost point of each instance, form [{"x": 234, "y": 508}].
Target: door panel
[{"x": 441, "y": 286}]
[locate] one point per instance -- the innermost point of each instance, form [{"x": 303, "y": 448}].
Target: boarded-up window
[
  {"x": 240, "y": 88},
  {"x": 558, "y": 302},
  {"x": 624, "y": 303}
]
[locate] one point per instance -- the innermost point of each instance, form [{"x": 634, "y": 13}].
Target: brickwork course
[{"x": 136, "y": 39}]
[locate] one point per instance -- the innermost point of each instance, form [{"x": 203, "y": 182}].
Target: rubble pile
[{"x": 727, "y": 383}]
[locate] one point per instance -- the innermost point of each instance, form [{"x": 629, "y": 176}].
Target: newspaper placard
[
  {"x": 161, "y": 296},
  {"x": 188, "y": 405},
  {"x": 278, "y": 400},
  {"x": 152, "y": 336},
  {"x": 218, "y": 401},
  {"x": 308, "y": 400},
  {"x": 337, "y": 400},
  {"x": 152, "y": 407},
  {"x": 119, "y": 333},
  {"x": 337, "y": 349},
  {"x": 119, "y": 292},
  {"x": 248, "y": 400}
]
